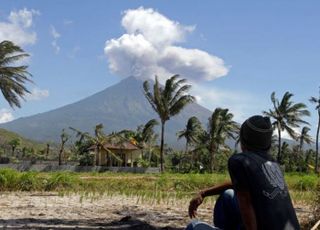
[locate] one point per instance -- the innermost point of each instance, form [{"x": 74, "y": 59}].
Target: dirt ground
[{"x": 51, "y": 211}]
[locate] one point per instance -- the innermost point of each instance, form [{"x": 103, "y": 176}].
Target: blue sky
[{"x": 235, "y": 53}]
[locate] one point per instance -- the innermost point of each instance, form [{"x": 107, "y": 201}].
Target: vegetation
[
  {"x": 167, "y": 101},
  {"x": 13, "y": 78},
  {"x": 316, "y": 101},
  {"x": 64, "y": 138},
  {"x": 287, "y": 115},
  {"x": 192, "y": 134},
  {"x": 159, "y": 187},
  {"x": 221, "y": 126}
]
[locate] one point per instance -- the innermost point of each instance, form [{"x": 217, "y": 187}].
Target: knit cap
[{"x": 256, "y": 133}]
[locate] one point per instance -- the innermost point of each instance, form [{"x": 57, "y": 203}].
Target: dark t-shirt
[{"x": 259, "y": 174}]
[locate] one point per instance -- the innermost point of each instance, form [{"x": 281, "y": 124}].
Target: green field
[{"x": 157, "y": 187}]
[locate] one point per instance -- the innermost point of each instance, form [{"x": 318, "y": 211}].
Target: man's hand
[{"x": 194, "y": 204}]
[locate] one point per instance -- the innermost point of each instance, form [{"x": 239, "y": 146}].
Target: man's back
[{"x": 257, "y": 173}]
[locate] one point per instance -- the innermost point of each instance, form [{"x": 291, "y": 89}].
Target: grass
[{"x": 156, "y": 187}]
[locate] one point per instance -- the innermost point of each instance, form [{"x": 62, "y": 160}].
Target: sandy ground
[{"x": 51, "y": 211}]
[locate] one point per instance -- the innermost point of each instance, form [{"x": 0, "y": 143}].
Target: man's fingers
[
  {"x": 194, "y": 203},
  {"x": 192, "y": 212}
]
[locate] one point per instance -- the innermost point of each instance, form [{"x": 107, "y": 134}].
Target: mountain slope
[
  {"x": 121, "y": 106},
  {"x": 7, "y": 136}
]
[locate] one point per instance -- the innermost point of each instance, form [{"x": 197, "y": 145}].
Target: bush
[
  {"x": 304, "y": 182},
  {"x": 29, "y": 181},
  {"x": 143, "y": 163},
  {"x": 9, "y": 179},
  {"x": 61, "y": 181}
]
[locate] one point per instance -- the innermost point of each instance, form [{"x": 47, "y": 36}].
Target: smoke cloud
[{"x": 150, "y": 47}]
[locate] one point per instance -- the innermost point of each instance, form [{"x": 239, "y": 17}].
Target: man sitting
[{"x": 257, "y": 197}]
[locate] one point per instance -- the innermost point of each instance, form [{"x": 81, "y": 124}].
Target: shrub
[
  {"x": 61, "y": 181},
  {"x": 29, "y": 181},
  {"x": 9, "y": 179},
  {"x": 305, "y": 183}
]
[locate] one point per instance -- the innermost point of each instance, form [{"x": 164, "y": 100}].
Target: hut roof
[
  {"x": 127, "y": 145},
  {"x": 124, "y": 145}
]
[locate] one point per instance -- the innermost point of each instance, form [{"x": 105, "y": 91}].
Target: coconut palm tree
[
  {"x": 304, "y": 137},
  {"x": 167, "y": 101},
  {"x": 148, "y": 137},
  {"x": 14, "y": 143},
  {"x": 147, "y": 133},
  {"x": 287, "y": 115},
  {"x": 12, "y": 77},
  {"x": 316, "y": 101},
  {"x": 98, "y": 141},
  {"x": 191, "y": 133},
  {"x": 64, "y": 138},
  {"x": 221, "y": 126}
]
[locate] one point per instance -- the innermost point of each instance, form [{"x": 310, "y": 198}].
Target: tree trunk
[
  {"x": 186, "y": 152},
  {"x": 161, "y": 147},
  {"x": 60, "y": 153},
  {"x": 13, "y": 149},
  {"x": 279, "y": 145},
  {"x": 94, "y": 163},
  {"x": 212, "y": 153},
  {"x": 150, "y": 156},
  {"x": 47, "y": 151},
  {"x": 317, "y": 145}
]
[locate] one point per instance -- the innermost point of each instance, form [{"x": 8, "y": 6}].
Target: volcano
[{"x": 118, "y": 107}]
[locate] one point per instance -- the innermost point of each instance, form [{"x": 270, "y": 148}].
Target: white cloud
[
  {"x": 285, "y": 134},
  {"x": 241, "y": 104},
  {"x": 54, "y": 32},
  {"x": 192, "y": 63},
  {"x": 155, "y": 27},
  {"x": 37, "y": 94},
  {"x": 148, "y": 49},
  {"x": 18, "y": 28},
  {"x": 5, "y": 116},
  {"x": 56, "y": 35},
  {"x": 55, "y": 46}
]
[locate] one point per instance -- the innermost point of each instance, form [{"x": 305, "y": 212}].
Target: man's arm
[
  {"x": 216, "y": 190},
  {"x": 246, "y": 209},
  {"x": 198, "y": 199}
]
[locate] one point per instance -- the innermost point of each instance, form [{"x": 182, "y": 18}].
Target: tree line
[
  {"x": 286, "y": 115},
  {"x": 168, "y": 101}
]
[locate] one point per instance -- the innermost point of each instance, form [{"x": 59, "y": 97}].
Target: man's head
[{"x": 256, "y": 133}]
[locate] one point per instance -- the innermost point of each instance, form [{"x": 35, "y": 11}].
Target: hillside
[
  {"x": 6, "y": 136},
  {"x": 121, "y": 106}
]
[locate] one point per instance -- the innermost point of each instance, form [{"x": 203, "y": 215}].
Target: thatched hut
[{"x": 122, "y": 154}]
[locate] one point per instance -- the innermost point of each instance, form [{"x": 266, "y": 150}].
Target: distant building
[{"x": 122, "y": 154}]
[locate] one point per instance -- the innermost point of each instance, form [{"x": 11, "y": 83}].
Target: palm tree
[
  {"x": 317, "y": 102},
  {"x": 147, "y": 138},
  {"x": 147, "y": 133},
  {"x": 191, "y": 133},
  {"x": 13, "y": 78},
  {"x": 99, "y": 140},
  {"x": 287, "y": 115},
  {"x": 14, "y": 143},
  {"x": 167, "y": 101},
  {"x": 304, "y": 137},
  {"x": 221, "y": 126},
  {"x": 64, "y": 138}
]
